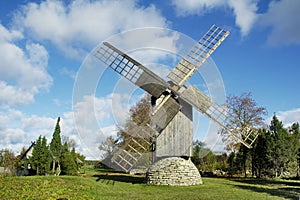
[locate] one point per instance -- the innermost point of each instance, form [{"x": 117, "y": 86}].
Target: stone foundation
[{"x": 173, "y": 171}]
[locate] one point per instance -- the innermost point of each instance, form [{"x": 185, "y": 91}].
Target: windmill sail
[
  {"x": 197, "y": 55},
  {"x": 139, "y": 143},
  {"x": 131, "y": 69},
  {"x": 219, "y": 114}
]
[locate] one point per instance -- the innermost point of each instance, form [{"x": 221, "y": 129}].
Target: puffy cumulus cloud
[
  {"x": 82, "y": 24},
  {"x": 18, "y": 130},
  {"x": 283, "y": 18},
  {"x": 287, "y": 117},
  {"x": 12, "y": 95},
  {"x": 95, "y": 113},
  {"x": 22, "y": 71},
  {"x": 93, "y": 119},
  {"x": 244, "y": 11}
]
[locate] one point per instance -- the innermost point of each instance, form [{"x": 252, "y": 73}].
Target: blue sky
[{"x": 43, "y": 45}]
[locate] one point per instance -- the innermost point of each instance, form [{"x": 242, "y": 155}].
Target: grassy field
[{"x": 104, "y": 185}]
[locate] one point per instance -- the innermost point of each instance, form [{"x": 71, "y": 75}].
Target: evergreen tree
[
  {"x": 261, "y": 162},
  {"x": 295, "y": 147},
  {"x": 41, "y": 159},
  {"x": 56, "y": 149},
  {"x": 230, "y": 161},
  {"x": 197, "y": 152},
  {"x": 280, "y": 147},
  {"x": 68, "y": 163}
]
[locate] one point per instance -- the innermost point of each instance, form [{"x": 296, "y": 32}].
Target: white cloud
[
  {"x": 18, "y": 130},
  {"x": 195, "y": 7},
  {"x": 283, "y": 18},
  {"x": 94, "y": 119},
  {"x": 22, "y": 72},
  {"x": 245, "y": 14},
  {"x": 81, "y": 25},
  {"x": 287, "y": 117},
  {"x": 244, "y": 11},
  {"x": 12, "y": 95}
]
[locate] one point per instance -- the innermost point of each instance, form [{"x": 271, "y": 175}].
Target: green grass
[{"x": 101, "y": 184}]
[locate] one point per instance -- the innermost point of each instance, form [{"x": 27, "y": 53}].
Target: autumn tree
[
  {"x": 56, "y": 149},
  {"x": 244, "y": 113},
  {"x": 140, "y": 115},
  {"x": 140, "y": 112}
]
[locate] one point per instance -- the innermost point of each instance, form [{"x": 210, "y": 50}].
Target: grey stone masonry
[{"x": 173, "y": 171}]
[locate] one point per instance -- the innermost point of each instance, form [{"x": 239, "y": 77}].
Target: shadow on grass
[
  {"x": 285, "y": 189},
  {"x": 268, "y": 182},
  {"x": 111, "y": 178}
]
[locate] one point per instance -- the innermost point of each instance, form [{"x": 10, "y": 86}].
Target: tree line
[
  {"x": 275, "y": 152},
  {"x": 58, "y": 157}
]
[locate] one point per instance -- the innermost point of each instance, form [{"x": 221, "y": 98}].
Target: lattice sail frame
[
  {"x": 135, "y": 147},
  {"x": 197, "y": 55},
  {"x": 132, "y": 70},
  {"x": 219, "y": 114}
]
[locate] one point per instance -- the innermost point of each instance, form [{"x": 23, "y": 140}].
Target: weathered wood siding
[{"x": 177, "y": 138}]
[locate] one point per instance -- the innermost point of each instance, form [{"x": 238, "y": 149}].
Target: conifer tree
[
  {"x": 295, "y": 146},
  {"x": 68, "y": 164},
  {"x": 280, "y": 146},
  {"x": 56, "y": 149},
  {"x": 41, "y": 159}
]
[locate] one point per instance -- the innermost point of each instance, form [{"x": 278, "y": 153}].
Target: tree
[
  {"x": 209, "y": 162},
  {"x": 230, "y": 161},
  {"x": 56, "y": 149},
  {"x": 279, "y": 146},
  {"x": 295, "y": 150},
  {"x": 70, "y": 141},
  {"x": 40, "y": 159},
  {"x": 198, "y": 148},
  {"x": 68, "y": 162},
  {"x": 107, "y": 147},
  {"x": 8, "y": 160},
  {"x": 244, "y": 113},
  {"x": 140, "y": 115},
  {"x": 79, "y": 158},
  {"x": 261, "y": 161}
]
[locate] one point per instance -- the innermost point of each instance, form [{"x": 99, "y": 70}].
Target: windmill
[{"x": 170, "y": 133}]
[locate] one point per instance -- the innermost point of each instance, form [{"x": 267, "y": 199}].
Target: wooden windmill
[{"x": 170, "y": 133}]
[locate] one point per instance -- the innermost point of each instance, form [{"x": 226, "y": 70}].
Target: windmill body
[
  {"x": 177, "y": 137},
  {"x": 170, "y": 133}
]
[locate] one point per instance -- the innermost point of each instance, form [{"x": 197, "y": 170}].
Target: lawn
[{"x": 107, "y": 185}]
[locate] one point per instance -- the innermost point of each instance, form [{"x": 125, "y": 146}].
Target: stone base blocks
[{"x": 173, "y": 171}]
